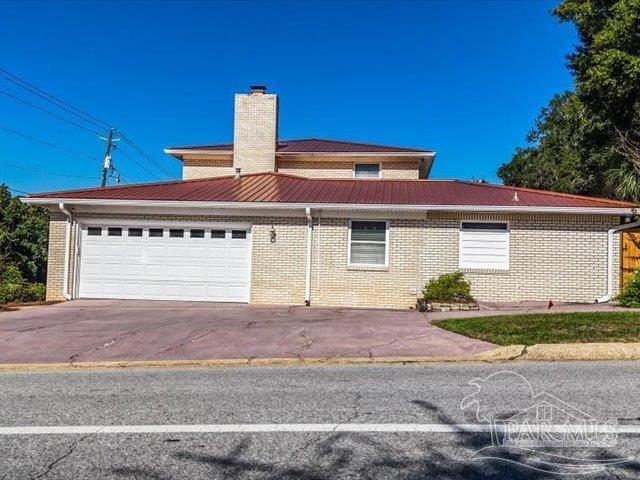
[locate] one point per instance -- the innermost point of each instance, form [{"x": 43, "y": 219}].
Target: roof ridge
[
  {"x": 368, "y": 144},
  {"x": 546, "y": 192},
  {"x": 228, "y": 146}
]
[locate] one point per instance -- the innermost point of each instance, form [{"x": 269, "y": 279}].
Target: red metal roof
[
  {"x": 281, "y": 188},
  {"x": 316, "y": 145}
]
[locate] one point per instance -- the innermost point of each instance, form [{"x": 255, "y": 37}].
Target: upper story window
[
  {"x": 368, "y": 243},
  {"x": 484, "y": 245},
  {"x": 366, "y": 170}
]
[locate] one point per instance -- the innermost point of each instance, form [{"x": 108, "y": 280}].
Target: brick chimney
[{"x": 255, "y": 131}]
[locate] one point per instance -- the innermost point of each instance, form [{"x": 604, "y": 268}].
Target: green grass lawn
[{"x": 549, "y": 328}]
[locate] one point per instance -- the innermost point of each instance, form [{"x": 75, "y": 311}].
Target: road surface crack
[
  {"x": 307, "y": 343},
  {"x": 70, "y": 449},
  {"x": 74, "y": 358},
  {"x": 182, "y": 344},
  {"x": 523, "y": 352}
]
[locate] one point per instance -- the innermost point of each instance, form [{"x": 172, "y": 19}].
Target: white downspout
[
  {"x": 67, "y": 245},
  {"x": 626, "y": 226},
  {"x": 307, "y": 287}
]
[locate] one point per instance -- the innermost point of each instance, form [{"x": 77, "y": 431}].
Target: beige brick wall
[
  {"x": 201, "y": 167},
  {"x": 206, "y": 167},
  {"x": 56, "y": 254},
  {"x": 339, "y": 167},
  {"x": 255, "y": 132},
  {"x": 335, "y": 283},
  {"x": 552, "y": 257}
]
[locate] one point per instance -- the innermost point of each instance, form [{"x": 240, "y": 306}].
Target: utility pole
[{"x": 106, "y": 165}]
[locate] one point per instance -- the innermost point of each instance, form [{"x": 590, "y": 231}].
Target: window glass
[
  {"x": 135, "y": 232},
  {"x": 366, "y": 170},
  {"x": 94, "y": 231},
  {"x": 197, "y": 233},
  {"x": 368, "y": 243},
  {"x": 115, "y": 231},
  {"x": 238, "y": 234},
  {"x": 218, "y": 233},
  {"x": 176, "y": 233},
  {"x": 155, "y": 232},
  {"x": 368, "y": 231}
]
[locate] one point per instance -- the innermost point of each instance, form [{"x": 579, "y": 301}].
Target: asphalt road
[{"x": 364, "y": 421}]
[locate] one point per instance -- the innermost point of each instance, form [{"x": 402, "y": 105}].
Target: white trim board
[{"x": 200, "y": 205}]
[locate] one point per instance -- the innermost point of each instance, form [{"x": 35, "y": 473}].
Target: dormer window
[{"x": 366, "y": 170}]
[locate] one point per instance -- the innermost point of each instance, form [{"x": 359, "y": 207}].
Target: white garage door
[{"x": 165, "y": 263}]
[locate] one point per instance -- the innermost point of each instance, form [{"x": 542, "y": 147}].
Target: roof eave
[
  {"x": 356, "y": 154},
  {"x": 177, "y": 204},
  {"x": 179, "y": 153}
]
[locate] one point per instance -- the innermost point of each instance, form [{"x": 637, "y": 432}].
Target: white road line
[{"x": 297, "y": 428}]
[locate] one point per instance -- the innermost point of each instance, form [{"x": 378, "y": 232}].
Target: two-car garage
[{"x": 165, "y": 262}]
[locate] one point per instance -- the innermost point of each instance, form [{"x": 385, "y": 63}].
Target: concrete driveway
[{"x": 116, "y": 330}]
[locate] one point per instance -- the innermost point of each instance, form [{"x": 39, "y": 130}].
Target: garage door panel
[
  {"x": 133, "y": 289},
  {"x": 214, "y": 273},
  {"x": 133, "y": 250},
  {"x": 113, "y": 249},
  {"x": 172, "y": 268},
  {"x": 153, "y": 289},
  {"x": 216, "y": 292},
  {"x": 175, "y": 271},
  {"x": 196, "y": 272}
]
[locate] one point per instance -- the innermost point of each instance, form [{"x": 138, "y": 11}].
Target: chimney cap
[{"x": 258, "y": 89}]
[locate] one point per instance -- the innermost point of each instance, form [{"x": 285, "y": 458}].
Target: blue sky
[{"x": 465, "y": 78}]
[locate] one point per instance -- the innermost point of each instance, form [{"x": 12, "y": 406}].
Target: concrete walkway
[{"x": 131, "y": 330}]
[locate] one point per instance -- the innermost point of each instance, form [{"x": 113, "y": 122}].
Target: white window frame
[
  {"x": 353, "y": 173},
  {"x": 508, "y": 232},
  {"x": 386, "y": 244}
]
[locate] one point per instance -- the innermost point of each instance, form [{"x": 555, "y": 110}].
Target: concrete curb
[{"x": 535, "y": 353}]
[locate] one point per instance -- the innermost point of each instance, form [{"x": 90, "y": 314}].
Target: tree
[
  {"x": 582, "y": 142},
  {"x": 23, "y": 237}
]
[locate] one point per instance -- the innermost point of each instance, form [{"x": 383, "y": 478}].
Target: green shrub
[
  {"x": 11, "y": 274},
  {"x": 21, "y": 292},
  {"x": 449, "y": 287},
  {"x": 630, "y": 295}
]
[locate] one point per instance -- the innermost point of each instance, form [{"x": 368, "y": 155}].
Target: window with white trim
[
  {"x": 366, "y": 170},
  {"x": 484, "y": 245},
  {"x": 368, "y": 242}
]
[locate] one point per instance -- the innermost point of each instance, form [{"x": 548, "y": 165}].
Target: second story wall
[
  {"x": 328, "y": 167},
  {"x": 341, "y": 167},
  {"x": 206, "y": 167}
]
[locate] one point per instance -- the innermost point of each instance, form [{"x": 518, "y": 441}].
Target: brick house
[{"x": 323, "y": 222}]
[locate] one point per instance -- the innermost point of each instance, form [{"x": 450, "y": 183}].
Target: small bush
[
  {"x": 11, "y": 274},
  {"x": 449, "y": 287},
  {"x": 630, "y": 296},
  {"x": 21, "y": 292}
]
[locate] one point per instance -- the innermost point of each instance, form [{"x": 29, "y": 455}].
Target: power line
[
  {"x": 16, "y": 190},
  {"x": 122, "y": 152},
  {"x": 53, "y": 99},
  {"x": 147, "y": 156},
  {"x": 85, "y": 116},
  {"x": 126, "y": 177},
  {"x": 44, "y": 172},
  {"x": 71, "y": 122},
  {"x": 65, "y": 149}
]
